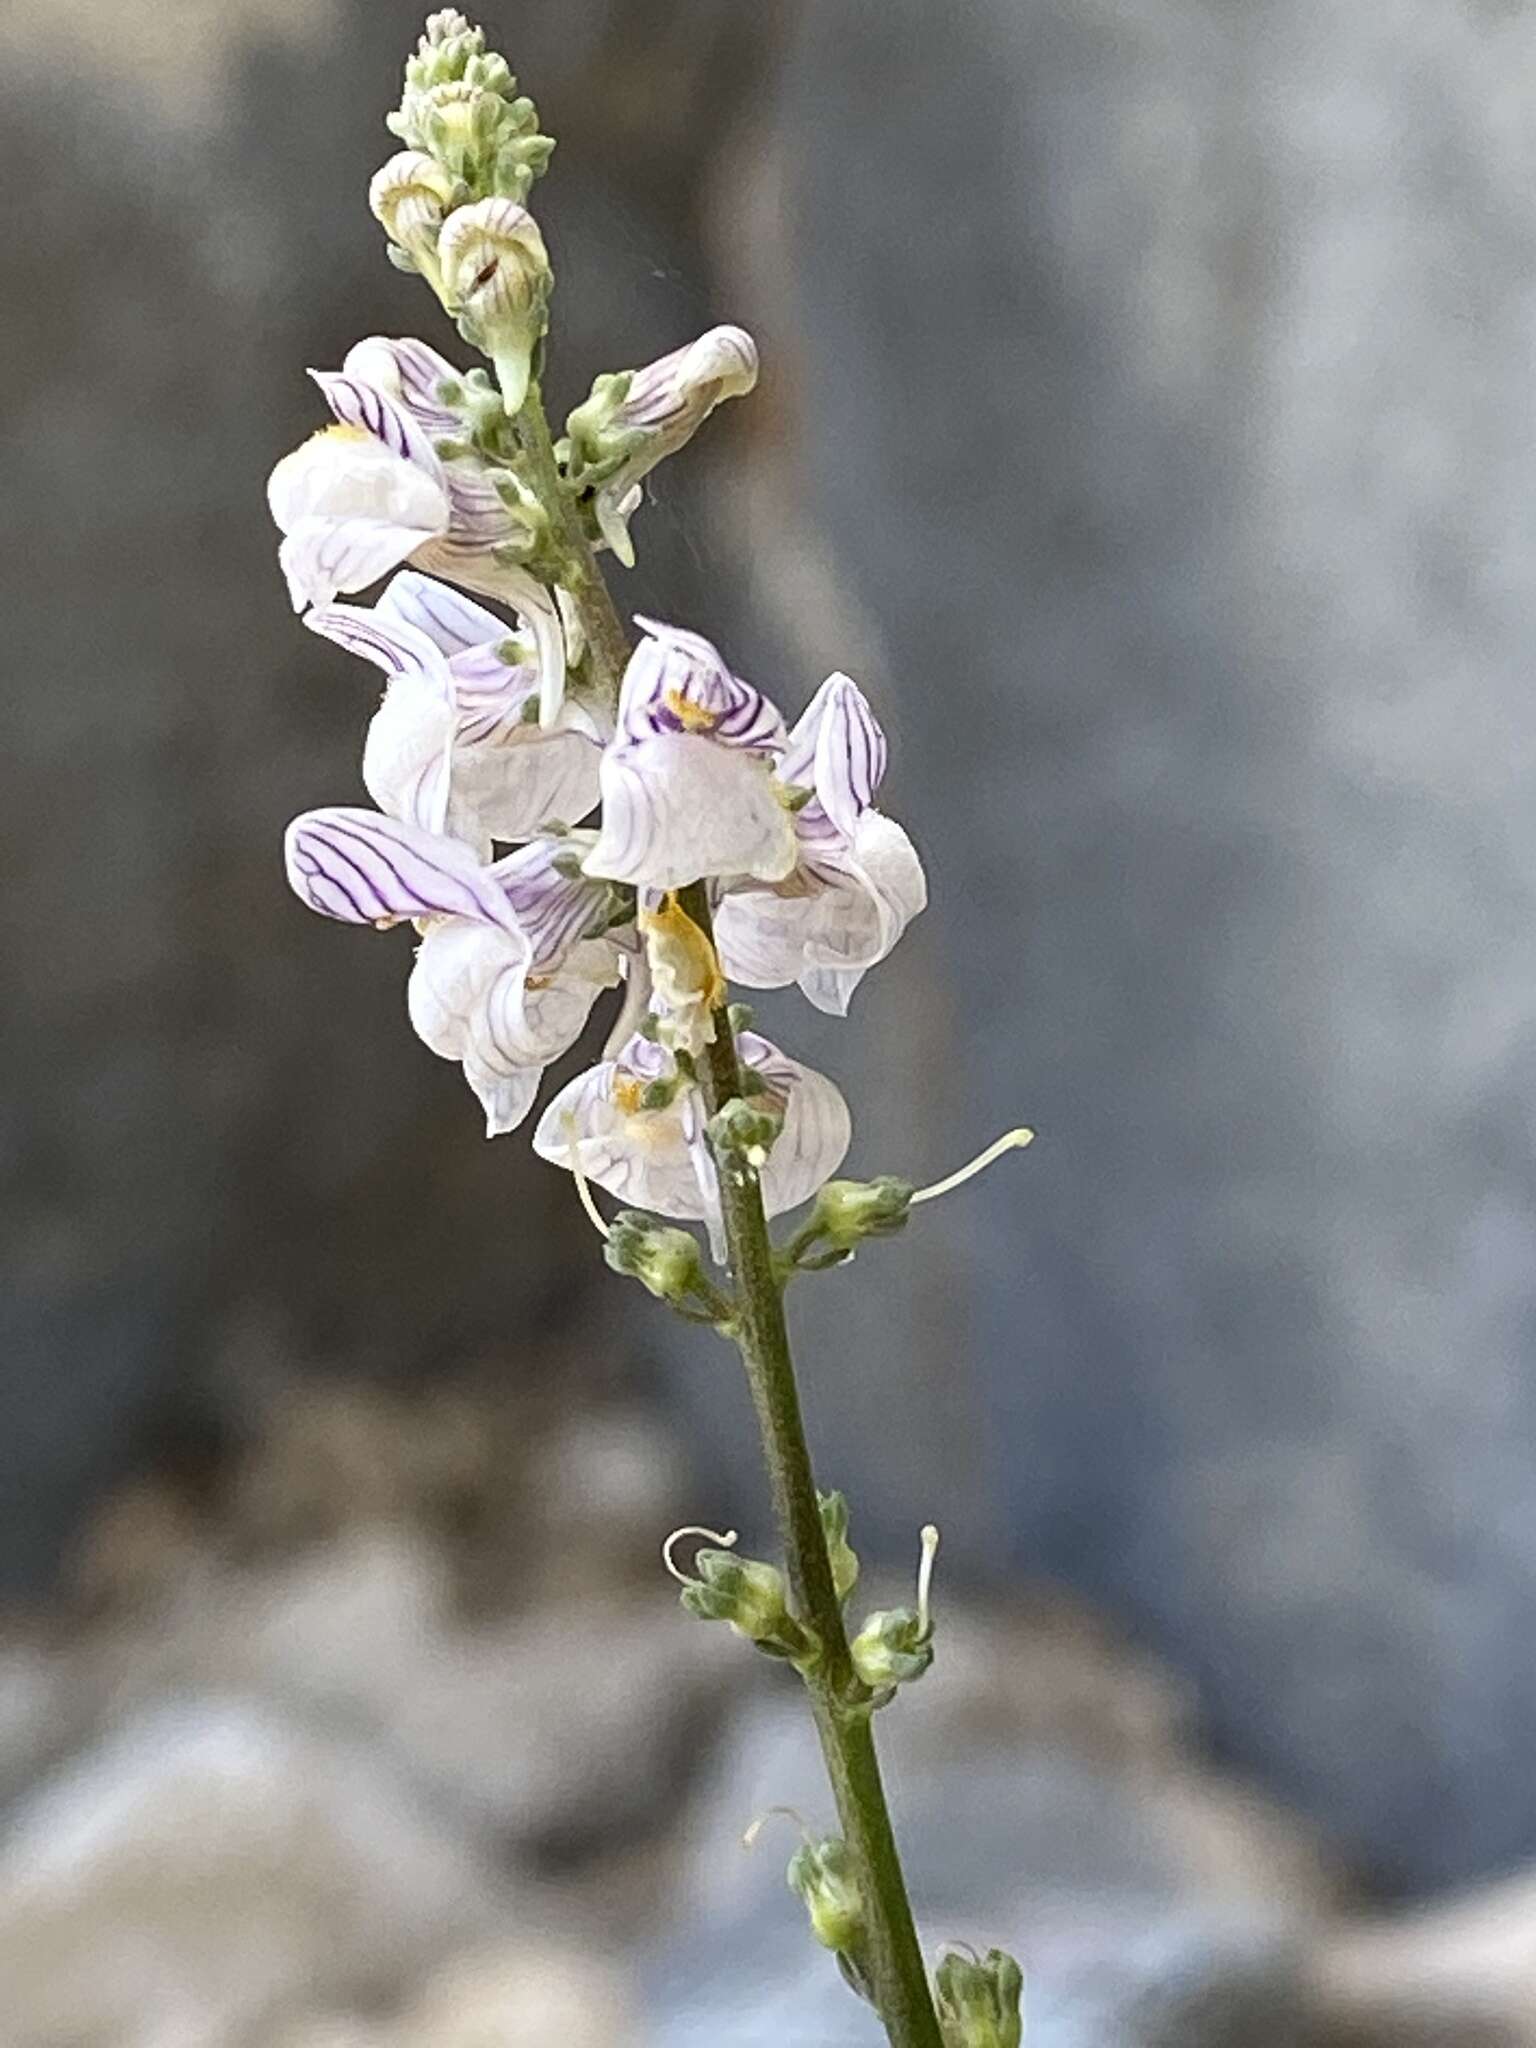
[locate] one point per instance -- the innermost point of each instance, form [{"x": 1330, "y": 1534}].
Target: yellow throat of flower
[{"x": 690, "y": 716}]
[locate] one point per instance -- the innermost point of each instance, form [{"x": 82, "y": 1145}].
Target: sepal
[
  {"x": 980, "y": 1999},
  {"x": 893, "y": 1648},
  {"x": 821, "y": 1873},
  {"x": 751, "y": 1598},
  {"x": 667, "y": 1264},
  {"x": 844, "y": 1561}
]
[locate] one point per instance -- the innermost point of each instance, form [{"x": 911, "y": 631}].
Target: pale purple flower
[
  {"x": 857, "y": 881},
  {"x": 371, "y": 491},
  {"x": 687, "y": 783},
  {"x": 513, "y": 954},
  {"x": 635, "y": 1125},
  {"x": 663, "y": 406},
  {"x": 453, "y": 747}
]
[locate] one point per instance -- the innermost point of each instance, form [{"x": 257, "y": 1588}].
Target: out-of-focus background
[{"x": 1147, "y": 421}]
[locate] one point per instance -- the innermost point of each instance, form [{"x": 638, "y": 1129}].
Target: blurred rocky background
[{"x": 1146, "y": 421}]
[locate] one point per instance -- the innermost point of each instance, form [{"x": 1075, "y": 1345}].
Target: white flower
[
  {"x": 686, "y": 780},
  {"x": 452, "y": 747},
  {"x": 857, "y": 881},
  {"x": 634, "y": 1124},
  {"x": 636, "y": 418},
  {"x": 371, "y": 491},
  {"x": 513, "y": 954}
]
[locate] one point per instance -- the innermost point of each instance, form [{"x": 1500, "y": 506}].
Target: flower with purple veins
[
  {"x": 857, "y": 881},
  {"x": 371, "y": 491},
  {"x": 513, "y": 954},
  {"x": 687, "y": 782},
  {"x": 452, "y": 747}
]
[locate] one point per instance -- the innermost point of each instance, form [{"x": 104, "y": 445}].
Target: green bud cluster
[
  {"x": 980, "y": 2000},
  {"x": 461, "y": 106},
  {"x": 751, "y": 1598}
]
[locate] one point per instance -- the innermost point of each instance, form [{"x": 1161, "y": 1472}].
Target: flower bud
[
  {"x": 410, "y": 196},
  {"x": 461, "y": 106},
  {"x": 633, "y": 419},
  {"x": 834, "y": 1522},
  {"x": 496, "y": 278},
  {"x": 665, "y": 1261},
  {"x": 749, "y": 1597},
  {"x": 845, "y": 1213},
  {"x": 892, "y": 1648},
  {"x": 821, "y": 1872},
  {"x": 979, "y": 2000}
]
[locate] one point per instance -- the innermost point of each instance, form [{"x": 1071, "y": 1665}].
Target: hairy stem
[
  {"x": 607, "y": 643},
  {"x": 898, "y": 1976}
]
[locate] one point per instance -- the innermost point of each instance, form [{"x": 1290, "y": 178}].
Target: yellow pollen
[
  {"x": 627, "y": 1092},
  {"x": 340, "y": 432},
  {"x": 690, "y": 716}
]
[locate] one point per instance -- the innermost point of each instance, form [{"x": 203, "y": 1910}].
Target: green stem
[
  {"x": 607, "y": 648},
  {"x": 897, "y": 1973}
]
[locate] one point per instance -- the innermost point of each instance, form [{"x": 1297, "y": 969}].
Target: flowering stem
[
  {"x": 607, "y": 643},
  {"x": 897, "y": 1973},
  {"x": 899, "y": 1978}
]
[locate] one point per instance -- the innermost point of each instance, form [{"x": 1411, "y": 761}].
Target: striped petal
[
  {"x": 837, "y": 749},
  {"x": 646, "y": 1157},
  {"x": 370, "y": 410},
  {"x": 408, "y": 763},
  {"x": 366, "y": 869},
  {"x": 841, "y": 913},
  {"x": 817, "y": 1126},
  {"x": 553, "y": 907},
  {"x": 412, "y": 374},
  {"x": 678, "y": 682},
  {"x": 453, "y": 622},
  {"x": 677, "y": 807},
  {"x": 656, "y": 1159}
]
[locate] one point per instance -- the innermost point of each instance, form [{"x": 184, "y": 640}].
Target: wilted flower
[
  {"x": 857, "y": 881},
  {"x": 635, "y": 1125},
  {"x": 686, "y": 781},
  {"x": 513, "y": 954},
  {"x": 456, "y": 745},
  {"x": 370, "y": 492},
  {"x": 635, "y": 418}
]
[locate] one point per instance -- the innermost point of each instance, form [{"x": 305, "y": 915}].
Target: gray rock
[
  {"x": 1164, "y": 402},
  {"x": 212, "y": 1865}
]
